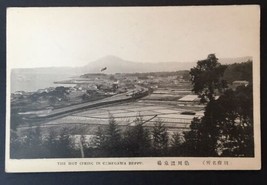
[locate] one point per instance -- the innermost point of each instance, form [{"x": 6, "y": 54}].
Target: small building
[
  {"x": 42, "y": 90},
  {"x": 190, "y": 98},
  {"x": 18, "y": 93},
  {"x": 115, "y": 85}
]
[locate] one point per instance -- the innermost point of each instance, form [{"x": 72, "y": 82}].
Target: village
[
  {"x": 89, "y": 87},
  {"x": 162, "y": 88}
]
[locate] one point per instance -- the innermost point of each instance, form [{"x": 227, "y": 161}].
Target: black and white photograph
[{"x": 133, "y": 88}]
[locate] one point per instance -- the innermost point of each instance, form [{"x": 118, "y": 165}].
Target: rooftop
[{"x": 189, "y": 98}]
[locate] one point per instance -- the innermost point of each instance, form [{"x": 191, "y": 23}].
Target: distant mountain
[{"x": 117, "y": 65}]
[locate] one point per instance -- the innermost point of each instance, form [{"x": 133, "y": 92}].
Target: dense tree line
[
  {"x": 242, "y": 71},
  {"x": 226, "y": 129},
  {"x": 36, "y": 145},
  {"x": 110, "y": 141},
  {"x": 222, "y": 138}
]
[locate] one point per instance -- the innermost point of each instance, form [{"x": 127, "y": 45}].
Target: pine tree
[
  {"x": 32, "y": 144},
  {"x": 137, "y": 139},
  {"x": 160, "y": 138},
  {"x": 64, "y": 144},
  {"x": 16, "y": 145},
  {"x": 100, "y": 138},
  {"x": 112, "y": 143},
  {"x": 176, "y": 143},
  {"x": 51, "y": 143}
]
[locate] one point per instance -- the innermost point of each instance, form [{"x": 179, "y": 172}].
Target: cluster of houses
[{"x": 107, "y": 84}]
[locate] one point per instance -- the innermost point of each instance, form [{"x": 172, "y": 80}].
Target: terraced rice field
[
  {"x": 168, "y": 112},
  {"x": 126, "y": 113}
]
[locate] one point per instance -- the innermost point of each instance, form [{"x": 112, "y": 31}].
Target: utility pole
[{"x": 81, "y": 147}]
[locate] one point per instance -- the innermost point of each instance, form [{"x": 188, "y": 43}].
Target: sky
[{"x": 49, "y": 37}]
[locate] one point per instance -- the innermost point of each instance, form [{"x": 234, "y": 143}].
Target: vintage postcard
[{"x": 133, "y": 88}]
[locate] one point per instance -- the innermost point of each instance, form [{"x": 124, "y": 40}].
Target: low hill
[{"x": 238, "y": 71}]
